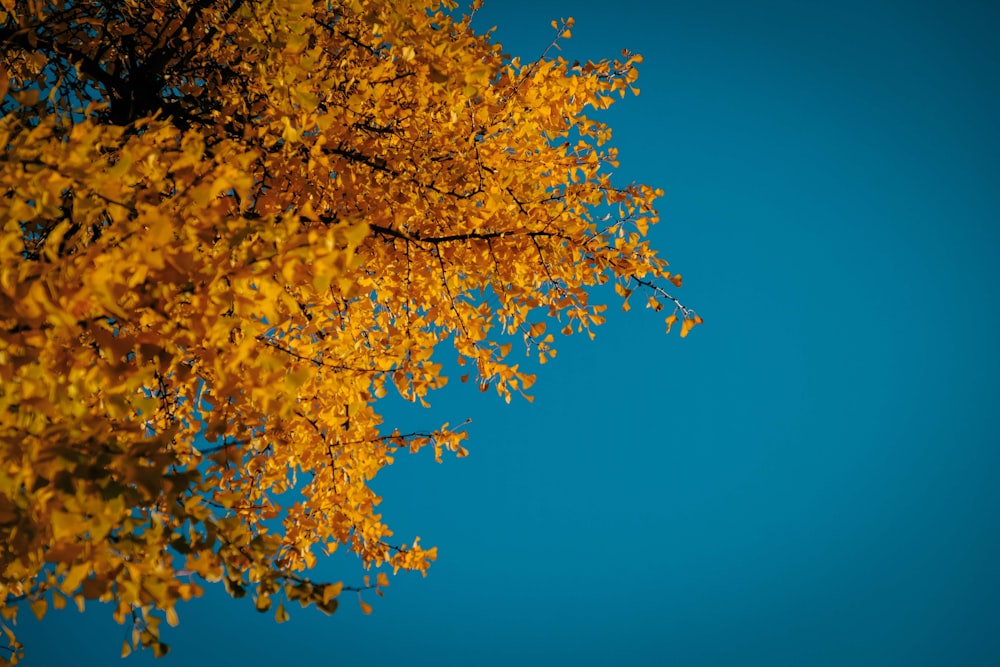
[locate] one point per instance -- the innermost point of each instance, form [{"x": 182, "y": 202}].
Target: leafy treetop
[{"x": 229, "y": 227}]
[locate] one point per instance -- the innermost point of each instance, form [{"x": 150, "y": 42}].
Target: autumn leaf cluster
[{"x": 230, "y": 227}]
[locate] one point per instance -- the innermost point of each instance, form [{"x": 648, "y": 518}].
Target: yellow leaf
[
  {"x": 65, "y": 525},
  {"x": 308, "y": 100},
  {"x": 686, "y": 327},
  {"x": 289, "y": 134},
  {"x": 38, "y": 608},
  {"x": 330, "y": 591},
  {"x": 365, "y": 607},
  {"x": 356, "y": 233},
  {"x": 321, "y": 282}
]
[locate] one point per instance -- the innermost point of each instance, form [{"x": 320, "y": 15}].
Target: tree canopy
[{"x": 229, "y": 228}]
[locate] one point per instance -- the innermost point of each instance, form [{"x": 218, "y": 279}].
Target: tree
[{"x": 229, "y": 228}]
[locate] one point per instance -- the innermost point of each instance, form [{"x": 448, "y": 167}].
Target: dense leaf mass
[{"x": 229, "y": 227}]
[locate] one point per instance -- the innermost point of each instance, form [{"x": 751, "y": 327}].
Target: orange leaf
[{"x": 686, "y": 327}]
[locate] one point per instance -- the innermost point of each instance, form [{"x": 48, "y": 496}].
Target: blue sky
[{"x": 811, "y": 477}]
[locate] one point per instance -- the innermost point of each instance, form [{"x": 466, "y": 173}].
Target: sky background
[{"x": 811, "y": 477}]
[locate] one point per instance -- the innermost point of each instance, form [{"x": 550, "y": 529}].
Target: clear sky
[{"x": 811, "y": 478}]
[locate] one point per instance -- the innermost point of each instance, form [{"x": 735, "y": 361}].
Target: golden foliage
[{"x": 228, "y": 229}]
